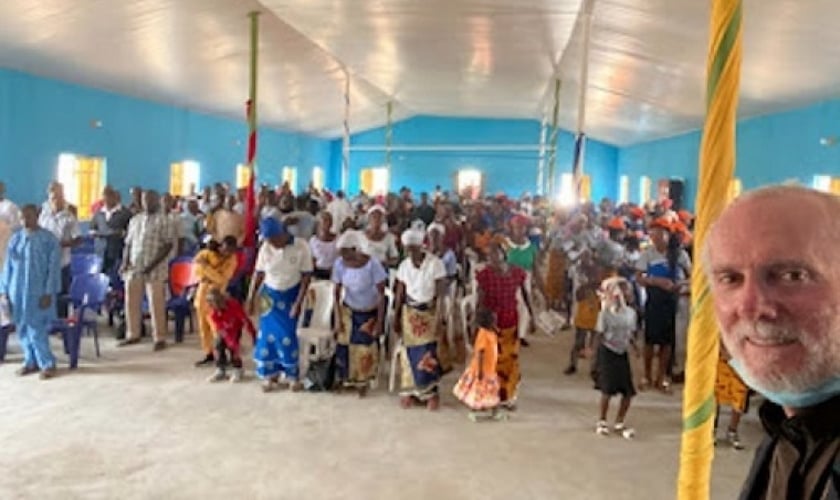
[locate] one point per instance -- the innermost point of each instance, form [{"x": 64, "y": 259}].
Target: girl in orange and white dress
[{"x": 478, "y": 388}]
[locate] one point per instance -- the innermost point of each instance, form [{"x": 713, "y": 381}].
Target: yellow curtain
[
  {"x": 242, "y": 176},
  {"x": 644, "y": 194},
  {"x": 585, "y": 188},
  {"x": 176, "y": 178},
  {"x": 318, "y": 178},
  {"x": 835, "y": 185},
  {"x": 290, "y": 177},
  {"x": 367, "y": 180},
  {"x": 89, "y": 179}
]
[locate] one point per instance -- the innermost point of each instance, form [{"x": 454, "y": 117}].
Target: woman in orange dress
[{"x": 478, "y": 388}]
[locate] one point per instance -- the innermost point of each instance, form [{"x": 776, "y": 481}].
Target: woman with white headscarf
[
  {"x": 359, "y": 318},
  {"x": 379, "y": 242},
  {"x": 418, "y": 313},
  {"x": 617, "y": 330}
]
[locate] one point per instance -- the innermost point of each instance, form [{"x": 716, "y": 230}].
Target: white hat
[
  {"x": 413, "y": 237},
  {"x": 377, "y": 208},
  {"x": 436, "y": 226},
  {"x": 350, "y": 239}
]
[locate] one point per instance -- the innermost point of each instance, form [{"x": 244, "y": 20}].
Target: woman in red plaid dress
[{"x": 497, "y": 287}]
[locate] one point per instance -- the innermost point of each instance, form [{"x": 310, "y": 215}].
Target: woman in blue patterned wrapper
[
  {"x": 281, "y": 278},
  {"x": 360, "y": 287}
]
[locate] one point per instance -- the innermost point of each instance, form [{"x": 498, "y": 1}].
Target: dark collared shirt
[{"x": 803, "y": 453}]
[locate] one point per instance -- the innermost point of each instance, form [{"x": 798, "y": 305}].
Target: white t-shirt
[
  {"x": 63, "y": 225},
  {"x": 325, "y": 253},
  {"x": 5, "y": 235},
  {"x": 617, "y": 328},
  {"x": 420, "y": 282},
  {"x": 284, "y": 267},
  {"x": 340, "y": 210},
  {"x": 382, "y": 250},
  {"x": 10, "y": 214}
]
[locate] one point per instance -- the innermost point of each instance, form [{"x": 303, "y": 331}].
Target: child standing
[
  {"x": 586, "y": 308},
  {"x": 616, "y": 326},
  {"x": 227, "y": 318},
  {"x": 214, "y": 268},
  {"x": 478, "y": 387}
]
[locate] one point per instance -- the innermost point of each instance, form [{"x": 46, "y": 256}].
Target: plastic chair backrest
[
  {"x": 322, "y": 311},
  {"x": 85, "y": 263},
  {"x": 87, "y": 245},
  {"x": 89, "y": 290},
  {"x": 182, "y": 275}
]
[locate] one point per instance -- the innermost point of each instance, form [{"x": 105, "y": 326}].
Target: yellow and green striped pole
[{"x": 717, "y": 165}]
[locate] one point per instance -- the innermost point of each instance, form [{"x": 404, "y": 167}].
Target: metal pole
[
  {"x": 345, "y": 148},
  {"x": 552, "y": 147},
  {"x": 251, "y": 111},
  {"x": 541, "y": 162},
  {"x": 450, "y": 148},
  {"x": 389, "y": 135},
  {"x": 580, "y": 137}
]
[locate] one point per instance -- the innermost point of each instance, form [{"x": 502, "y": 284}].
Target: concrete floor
[{"x": 134, "y": 424}]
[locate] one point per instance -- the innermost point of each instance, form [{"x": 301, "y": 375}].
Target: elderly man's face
[{"x": 775, "y": 278}]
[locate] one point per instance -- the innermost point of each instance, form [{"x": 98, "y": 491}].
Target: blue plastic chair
[
  {"x": 87, "y": 245},
  {"x": 85, "y": 263},
  {"x": 87, "y": 293}
]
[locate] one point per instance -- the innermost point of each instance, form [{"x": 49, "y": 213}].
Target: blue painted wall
[
  {"x": 770, "y": 149},
  {"x": 40, "y": 119},
  {"x": 510, "y": 172}
]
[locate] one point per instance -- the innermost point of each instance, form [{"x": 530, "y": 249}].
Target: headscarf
[
  {"x": 350, "y": 239},
  {"x": 685, "y": 216},
  {"x": 271, "y": 227},
  {"x": 637, "y": 212},
  {"x": 377, "y": 208},
  {"x": 436, "y": 226},
  {"x": 662, "y": 223},
  {"x": 413, "y": 237},
  {"x": 616, "y": 223}
]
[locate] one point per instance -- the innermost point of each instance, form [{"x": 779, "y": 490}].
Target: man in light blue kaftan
[{"x": 30, "y": 280}]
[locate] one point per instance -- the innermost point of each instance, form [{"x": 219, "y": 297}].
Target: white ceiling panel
[{"x": 483, "y": 58}]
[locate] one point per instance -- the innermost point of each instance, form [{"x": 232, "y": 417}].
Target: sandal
[
  {"x": 602, "y": 429},
  {"x": 269, "y": 385},
  {"x": 26, "y": 370},
  {"x": 406, "y": 402},
  {"x": 644, "y": 384},
  {"x": 665, "y": 387}
]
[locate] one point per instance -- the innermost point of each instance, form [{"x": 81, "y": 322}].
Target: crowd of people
[
  {"x": 609, "y": 271},
  {"x": 617, "y": 276}
]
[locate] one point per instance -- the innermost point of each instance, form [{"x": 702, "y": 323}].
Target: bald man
[{"x": 773, "y": 259}]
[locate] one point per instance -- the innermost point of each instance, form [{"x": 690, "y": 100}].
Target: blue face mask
[{"x": 803, "y": 399}]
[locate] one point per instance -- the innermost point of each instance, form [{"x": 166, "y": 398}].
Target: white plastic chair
[
  {"x": 386, "y": 333},
  {"x": 395, "y": 360},
  {"x": 319, "y": 333},
  {"x": 468, "y": 305},
  {"x": 450, "y": 303}
]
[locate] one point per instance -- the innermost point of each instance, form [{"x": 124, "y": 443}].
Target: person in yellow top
[
  {"x": 215, "y": 266},
  {"x": 478, "y": 388},
  {"x": 586, "y": 308}
]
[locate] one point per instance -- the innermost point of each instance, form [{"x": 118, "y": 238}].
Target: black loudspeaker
[{"x": 676, "y": 192}]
